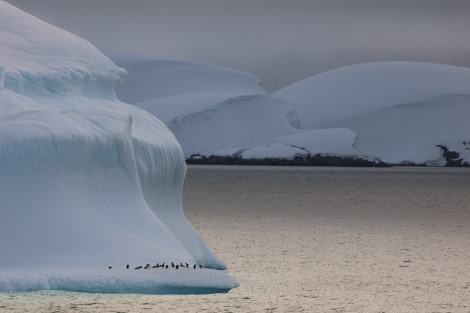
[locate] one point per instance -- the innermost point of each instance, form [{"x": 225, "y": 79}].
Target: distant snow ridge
[
  {"x": 345, "y": 93},
  {"x": 86, "y": 181},
  {"x": 170, "y": 88}
]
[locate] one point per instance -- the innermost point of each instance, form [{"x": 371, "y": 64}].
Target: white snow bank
[
  {"x": 86, "y": 181},
  {"x": 273, "y": 150},
  {"x": 310, "y": 142},
  {"x": 323, "y": 141}
]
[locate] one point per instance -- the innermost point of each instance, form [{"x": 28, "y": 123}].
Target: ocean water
[{"x": 314, "y": 239}]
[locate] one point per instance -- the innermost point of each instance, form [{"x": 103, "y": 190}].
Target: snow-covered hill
[
  {"x": 171, "y": 88},
  {"x": 392, "y": 112},
  {"x": 401, "y": 112},
  {"x": 345, "y": 93},
  {"x": 86, "y": 182}
]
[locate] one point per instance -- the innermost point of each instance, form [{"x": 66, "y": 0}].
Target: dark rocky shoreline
[
  {"x": 316, "y": 160},
  {"x": 452, "y": 159}
]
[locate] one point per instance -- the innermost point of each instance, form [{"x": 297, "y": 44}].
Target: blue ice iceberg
[{"x": 86, "y": 181}]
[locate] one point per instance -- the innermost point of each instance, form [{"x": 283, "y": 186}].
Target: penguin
[
  {"x": 177, "y": 266},
  {"x": 138, "y": 267},
  {"x": 200, "y": 266},
  {"x": 172, "y": 264},
  {"x": 194, "y": 266},
  {"x": 166, "y": 266},
  {"x": 127, "y": 266},
  {"x": 187, "y": 265},
  {"x": 110, "y": 267}
]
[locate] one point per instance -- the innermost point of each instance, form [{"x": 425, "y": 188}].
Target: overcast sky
[{"x": 280, "y": 42}]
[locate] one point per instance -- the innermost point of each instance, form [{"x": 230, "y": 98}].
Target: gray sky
[{"x": 280, "y": 42}]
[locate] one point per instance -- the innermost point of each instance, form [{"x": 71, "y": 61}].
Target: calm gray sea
[{"x": 315, "y": 239}]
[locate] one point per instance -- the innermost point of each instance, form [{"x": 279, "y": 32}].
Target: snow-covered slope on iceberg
[
  {"x": 86, "y": 181},
  {"x": 170, "y": 88}
]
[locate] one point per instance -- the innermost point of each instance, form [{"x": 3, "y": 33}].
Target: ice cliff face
[{"x": 86, "y": 181}]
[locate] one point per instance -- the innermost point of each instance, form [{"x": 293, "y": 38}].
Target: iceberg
[{"x": 88, "y": 184}]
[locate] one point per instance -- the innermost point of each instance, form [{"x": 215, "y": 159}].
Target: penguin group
[{"x": 165, "y": 266}]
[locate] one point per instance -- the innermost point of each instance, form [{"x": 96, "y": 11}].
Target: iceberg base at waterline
[{"x": 151, "y": 281}]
